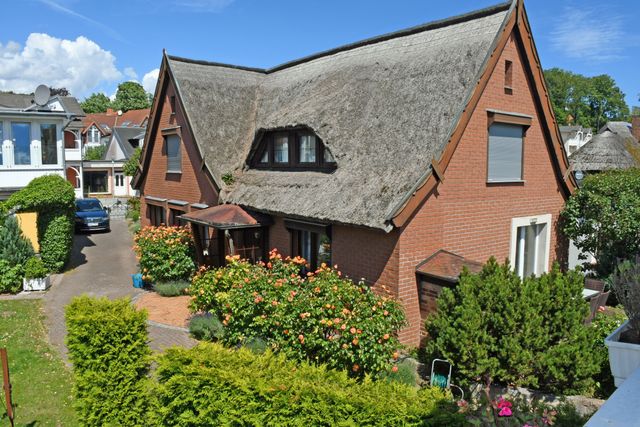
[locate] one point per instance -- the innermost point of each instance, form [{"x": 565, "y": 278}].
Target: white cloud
[
  {"x": 150, "y": 79},
  {"x": 582, "y": 34},
  {"x": 204, "y": 5},
  {"x": 131, "y": 73},
  {"x": 80, "y": 65}
]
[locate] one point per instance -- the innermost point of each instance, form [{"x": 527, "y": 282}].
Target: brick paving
[{"x": 102, "y": 266}]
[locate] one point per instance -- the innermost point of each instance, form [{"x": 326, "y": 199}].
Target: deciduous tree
[
  {"x": 96, "y": 103},
  {"x": 131, "y": 96},
  {"x": 586, "y": 101}
]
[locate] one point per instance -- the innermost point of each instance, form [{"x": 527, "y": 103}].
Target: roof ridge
[{"x": 432, "y": 25}]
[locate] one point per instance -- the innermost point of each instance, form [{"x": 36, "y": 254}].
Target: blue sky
[{"x": 90, "y": 45}]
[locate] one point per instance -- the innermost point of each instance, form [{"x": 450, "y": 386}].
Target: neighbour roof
[
  {"x": 381, "y": 106},
  {"x": 447, "y": 266},
  {"x": 621, "y": 128},
  {"x": 123, "y": 135},
  {"x": 21, "y": 101},
  {"x": 607, "y": 150},
  {"x": 107, "y": 121},
  {"x": 226, "y": 217}
]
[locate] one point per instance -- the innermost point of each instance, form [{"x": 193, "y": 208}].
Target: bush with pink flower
[
  {"x": 516, "y": 411},
  {"x": 165, "y": 253},
  {"x": 321, "y": 317}
]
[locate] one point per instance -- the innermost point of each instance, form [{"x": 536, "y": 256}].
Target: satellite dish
[{"x": 42, "y": 94}]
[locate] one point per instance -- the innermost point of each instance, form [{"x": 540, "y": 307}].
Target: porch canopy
[
  {"x": 446, "y": 266},
  {"x": 227, "y": 217}
]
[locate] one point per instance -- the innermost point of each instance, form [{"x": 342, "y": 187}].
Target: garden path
[{"x": 101, "y": 265}]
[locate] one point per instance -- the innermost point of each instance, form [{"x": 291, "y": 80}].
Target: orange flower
[
  {"x": 355, "y": 341},
  {"x": 394, "y": 369},
  {"x": 356, "y": 367},
  {"x": 386, "y": 336}
]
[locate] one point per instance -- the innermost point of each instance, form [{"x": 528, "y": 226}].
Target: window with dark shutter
[
  {"x": 505, "y": 153},
  {"x": 174, "y": 158}
]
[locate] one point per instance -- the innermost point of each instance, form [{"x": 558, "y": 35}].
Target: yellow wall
[{"x": 29, "y": 224}]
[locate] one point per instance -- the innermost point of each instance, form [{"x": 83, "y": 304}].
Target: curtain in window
[
  {"x": 281, "y": 149},
  {"x": 307, "y": 149},
  {"x": 505, "y": 152},
  {"x": 48, "y": 144}
]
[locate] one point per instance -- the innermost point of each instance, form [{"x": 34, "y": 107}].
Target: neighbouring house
[
  {"x": 35, "y": 130},
  {"x": 115, "y": 131},
  {"x": 400, "y": 158},
  {"x": 105, "y": 177},
  {"x": 613, "y": 147},
  {"x": 574, "y": 137}
]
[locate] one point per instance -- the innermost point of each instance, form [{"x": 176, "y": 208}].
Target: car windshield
[{"x": 88, "y": 205}]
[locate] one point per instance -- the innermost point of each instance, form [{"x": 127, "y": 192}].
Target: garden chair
[
  {"x": 594, "y": 284},
  {"x": 593, "y": 308},
  {"x": 602, "y": 299}
]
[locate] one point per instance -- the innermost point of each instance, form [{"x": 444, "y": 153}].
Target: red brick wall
[
  {"x": 358, "y": 252},
  {"x": 470, "y": 217},
  {"x": 635, "y": 127},
  {"x": 191, "y": 185}
]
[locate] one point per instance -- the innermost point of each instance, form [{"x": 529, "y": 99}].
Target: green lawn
[{"x": 41, "y": 382}]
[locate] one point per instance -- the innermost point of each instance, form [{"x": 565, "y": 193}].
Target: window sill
[
  {"x": 506, "y": 181},
  {"x": 174, "y": 172}
]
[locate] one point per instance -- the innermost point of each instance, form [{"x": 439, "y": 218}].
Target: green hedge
[
  {"x": 495, "y": 326},
  {"x": 53, "y": 198},
  {"x": 107, "y": 342},
  {"x": 212, "y": 385}
]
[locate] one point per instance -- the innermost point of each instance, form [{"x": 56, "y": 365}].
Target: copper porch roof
[
  {"x": 447, "y": 266},
  {"x": 226, "y": 216}
]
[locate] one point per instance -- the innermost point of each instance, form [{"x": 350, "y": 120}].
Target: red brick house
[{"x": 400, "y": 158}]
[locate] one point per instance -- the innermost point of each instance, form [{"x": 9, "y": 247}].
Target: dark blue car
[{"x": 91, "y": 215}]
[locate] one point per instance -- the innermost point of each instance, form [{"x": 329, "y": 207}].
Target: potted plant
[
  {"x": 624, "y": 343},
  {"x": 36, "y": 275}
]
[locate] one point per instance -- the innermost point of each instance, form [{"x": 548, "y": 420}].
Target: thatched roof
[
  {"x": 385, "y": 107},
  {"x": 607, "y": 150}
]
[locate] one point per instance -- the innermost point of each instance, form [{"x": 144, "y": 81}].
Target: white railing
[{"x": 621, "y": 409}]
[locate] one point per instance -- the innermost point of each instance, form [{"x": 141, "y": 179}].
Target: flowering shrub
[
  {"x": 517, "y": 411},
  {"x": 320, "y": 317},
  {"x": 165, "y": 253}
]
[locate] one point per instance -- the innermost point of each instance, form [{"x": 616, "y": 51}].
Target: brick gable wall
[
  {"x": 470, "y": 217},
  {"x": 192, "y": 185}
]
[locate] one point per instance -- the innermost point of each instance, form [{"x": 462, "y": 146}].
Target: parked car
[{"x": 91, "y": 215}]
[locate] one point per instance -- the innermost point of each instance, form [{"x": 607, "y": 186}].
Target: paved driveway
[{"x": 101, "y": 265}]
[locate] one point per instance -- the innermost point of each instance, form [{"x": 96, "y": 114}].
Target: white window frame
[{"x": 526, "y": 221}]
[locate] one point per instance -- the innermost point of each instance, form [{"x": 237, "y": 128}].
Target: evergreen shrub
[
  {"x": 53, "y": 198},
  {"x": 14, "y": 247},
  {"x": 495, "y": 327},
  {"x": 107, "y": 342},
  {"x": 213, "y": 385}
]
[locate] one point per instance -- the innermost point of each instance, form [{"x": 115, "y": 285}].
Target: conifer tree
[{"x": 14, "y": 247}]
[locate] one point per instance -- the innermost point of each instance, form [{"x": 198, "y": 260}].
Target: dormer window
[{"x": 297, "y": 149}]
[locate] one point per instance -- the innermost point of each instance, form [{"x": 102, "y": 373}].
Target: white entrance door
[{"x": 119, "y": 187}]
